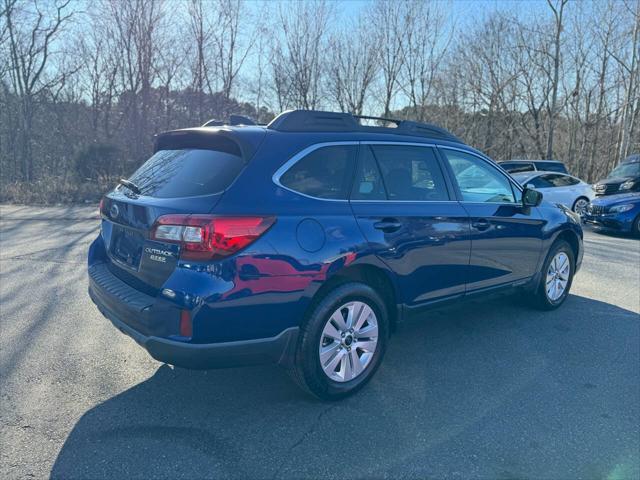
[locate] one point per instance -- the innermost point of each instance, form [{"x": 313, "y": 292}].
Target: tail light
[{"x": 207, "y": 237}]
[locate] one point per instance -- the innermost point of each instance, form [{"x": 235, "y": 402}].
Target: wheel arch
[
  {"x": 572, "y": 239},
  {"x": 374, "y": 276}
]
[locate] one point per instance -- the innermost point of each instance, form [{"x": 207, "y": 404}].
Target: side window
[
  {"x": 478, "y": 181},
  {"x": 561, "y": 180},
  {"x": 565, "y": 181},
  {"x": 571, "y": 180},
  {"x": 539, "y": 182},
  {"x": 410, "y": 173},
  {"x": 368, "y": 184},
  {"x": 552, "y": 180},
  {"x": 323, "y": 173}
]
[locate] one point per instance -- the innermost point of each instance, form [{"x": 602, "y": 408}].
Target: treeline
[{"x": 84, "y": 86}]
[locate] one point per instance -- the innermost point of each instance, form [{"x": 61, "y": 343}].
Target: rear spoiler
[{"x": 242, "y": 143}]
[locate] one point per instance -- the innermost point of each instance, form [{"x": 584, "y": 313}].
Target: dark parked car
[
  {"x": 619, "y": 213},
  {"x": 514, "y": 166},
  {"x": 304, "y": 242},
  {"x": 622, "y": 179}
]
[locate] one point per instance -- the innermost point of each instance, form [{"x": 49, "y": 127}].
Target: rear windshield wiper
[{"x": 130, "y": 185}]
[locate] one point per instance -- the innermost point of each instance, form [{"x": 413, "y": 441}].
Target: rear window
[
  {"x": 551, "y": 167},
  {"x": 514, "y": 167},
  {"x": 187, "y": 173},
  {"x": 324, "y": 173}
]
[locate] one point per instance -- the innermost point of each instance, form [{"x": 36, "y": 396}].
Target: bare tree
[
  {"x": 390, "y": 18},
  {"x": 352, "y": 68},
  {"x": 631, "y": 101},
  {"x": 136, "y": 27},
  {"x": 299, "y": 53},
  {"x": 99, "y": 71},
  {"x": 534, "y": 85},
  {"x": 423, "y": 51},
  {"x": 564, "y": 83},
  {"x": 488, "y": 57},
  {"x": 31, "y": 33},
  {"x": 231, "y": 52},
  {"x": 578, "y": 59},
  {"x": 558, "y": 13},
  {"x": 201, "y": 31}
]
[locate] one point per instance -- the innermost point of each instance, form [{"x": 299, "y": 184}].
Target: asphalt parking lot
[{"x": 482, "y": 390}]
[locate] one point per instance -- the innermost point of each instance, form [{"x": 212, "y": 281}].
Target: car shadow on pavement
[
  {"x": 489, "y": 389},
  {"x": 610, "y": 233}
]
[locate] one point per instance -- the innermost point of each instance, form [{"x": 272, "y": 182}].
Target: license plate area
[{"x": 127, "y": 246}]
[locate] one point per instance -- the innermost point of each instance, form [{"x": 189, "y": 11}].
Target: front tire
[
  {"x": 342, "y": 342},
  {"x": 556, "y": 277}
]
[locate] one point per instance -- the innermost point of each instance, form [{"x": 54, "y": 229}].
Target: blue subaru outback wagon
[{"x": 304, "y": 242}]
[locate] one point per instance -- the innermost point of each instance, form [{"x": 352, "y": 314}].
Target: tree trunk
[{"x": 556, "y": 71}]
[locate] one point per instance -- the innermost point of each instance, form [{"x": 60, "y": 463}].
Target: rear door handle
[
  {"x": 388, "y": 225},
  {"x": 481, "y": 224}
]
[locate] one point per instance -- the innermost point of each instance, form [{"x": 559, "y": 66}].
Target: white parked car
[{"x": 558, "y": 188}]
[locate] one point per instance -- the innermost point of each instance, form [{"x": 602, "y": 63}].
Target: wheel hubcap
[
  {"x": 558, "y": 276},
  {"x": 348, "y": 341}
]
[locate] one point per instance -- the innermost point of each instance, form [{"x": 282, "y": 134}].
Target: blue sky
[{"x": 464, "y": 10}]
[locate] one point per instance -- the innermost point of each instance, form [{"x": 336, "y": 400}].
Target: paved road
[{"x": 484, "y": 390}]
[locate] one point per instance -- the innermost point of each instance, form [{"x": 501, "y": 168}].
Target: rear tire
[
  {"x": 555, "y": 279},
  {"x": 348, "y": 361}
]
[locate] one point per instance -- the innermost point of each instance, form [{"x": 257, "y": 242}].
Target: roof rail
[
  {"x": 234, "y": 120},
  {"x": 318, "y": 121}
]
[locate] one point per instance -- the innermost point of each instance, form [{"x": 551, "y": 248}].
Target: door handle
[
  {"x": 388, "y": 225},
  {"x": 481, "y": 224}
]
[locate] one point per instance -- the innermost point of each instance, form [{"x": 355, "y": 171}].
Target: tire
[
  {"x": 635, "y": 228},
  {"x": 307, "y": 369},
  {"x": 544, "y": 300},
  {"x": 580, "y": 204}
]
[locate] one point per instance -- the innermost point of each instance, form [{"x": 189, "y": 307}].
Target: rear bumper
[{"x": 127, "y": 309}]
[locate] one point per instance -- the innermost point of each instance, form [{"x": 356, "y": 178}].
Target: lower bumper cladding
[
  {"x": 216, "y": 355},
  {"x": 279, "y": 349}
]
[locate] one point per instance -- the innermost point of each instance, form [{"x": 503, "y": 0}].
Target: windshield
[
  {"x": 186, "y": 173},
  {"x": 626, "y": 170}
]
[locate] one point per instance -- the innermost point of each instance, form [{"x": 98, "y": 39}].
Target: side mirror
[{"x": 530, "y": 197}]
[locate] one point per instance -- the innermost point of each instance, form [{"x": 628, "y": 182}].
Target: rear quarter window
[
  {"x": 324, "y": 173},
  {"x": 187, "y": 173}
]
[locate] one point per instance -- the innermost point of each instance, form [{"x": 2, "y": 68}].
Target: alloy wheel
[
  {"x": 558, "y": 276},
  {"x": 580, "y": 206},
  {"x": 348, "y": 342}
]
